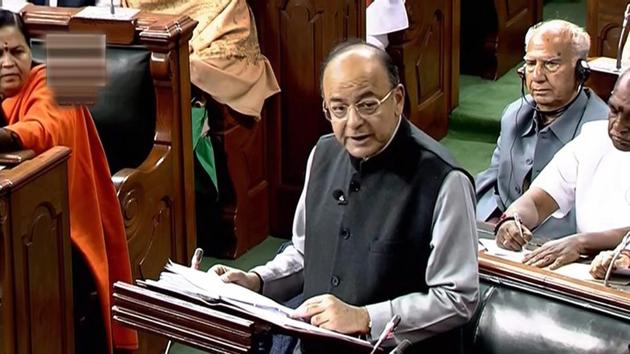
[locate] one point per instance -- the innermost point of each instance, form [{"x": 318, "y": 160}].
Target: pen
[
  {"x": 519, "y": 224},
  {"x": 389, "y": 327},
  {"x": 195, "y": 262}
]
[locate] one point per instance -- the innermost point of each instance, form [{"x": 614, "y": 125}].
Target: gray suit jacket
[{"x": 523, "y": 147}]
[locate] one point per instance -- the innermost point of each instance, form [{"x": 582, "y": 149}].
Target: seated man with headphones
[
  {"x": 536, "y": 126},
  {"x": 589, "y": 176}
]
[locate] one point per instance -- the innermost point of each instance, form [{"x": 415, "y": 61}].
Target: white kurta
[{"x": 591, "y": 172}]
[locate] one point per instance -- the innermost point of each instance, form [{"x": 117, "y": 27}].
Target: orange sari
[{"x": 96, "y": 225}]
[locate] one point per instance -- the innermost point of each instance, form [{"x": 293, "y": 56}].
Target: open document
[
  {"x": 209, "y": 288},
  {"x": 490, "y": 246}
]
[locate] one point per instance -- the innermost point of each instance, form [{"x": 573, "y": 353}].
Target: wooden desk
[
  {"x": 35, "y": 257},
  {"x": 594, "y": 295},
  {"x": 601, "y": 81}
]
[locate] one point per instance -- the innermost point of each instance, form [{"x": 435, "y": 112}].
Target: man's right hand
[
  {"x": 509, "y": 237},
  {"x": 249, "y": 280},
  {"x": 599, "y": 265}
]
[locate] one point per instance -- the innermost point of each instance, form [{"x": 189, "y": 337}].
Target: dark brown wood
[
  {"x": 601, "y": 82},
  {"x": 36, "y": 313},
  {"x": 428, "y": 55},
  {"x": 545, "y": 279},
  {"x": 493, "y": 34},
  {"x": 296, "y": 35},
  {"x": 603, "y": 23},
  {"x": 157, "y": 197},
  {"x": 239, "y": 144}
]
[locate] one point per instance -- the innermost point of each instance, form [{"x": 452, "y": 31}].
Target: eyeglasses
[
  {"x": 364, "y": 108},
  {"x": 548, "y": 66}
]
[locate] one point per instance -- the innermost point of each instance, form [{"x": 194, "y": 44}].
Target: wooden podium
[
  {"x": 35, "y": 257},
  {"x": 215, "y": 326}
]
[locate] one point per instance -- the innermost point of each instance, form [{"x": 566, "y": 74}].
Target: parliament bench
[
  {"x": 527, "y": 310},
  {"x": 515, "y": 318}
]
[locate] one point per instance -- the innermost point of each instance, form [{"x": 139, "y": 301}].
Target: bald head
[
  {"x": 578, "y": 39},
  {"x": 365, "y": 51}
]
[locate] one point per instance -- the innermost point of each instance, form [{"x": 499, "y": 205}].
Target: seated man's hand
[
  {"x": 509, "y": 236},
  {"x": 327, "y": 311},
  {"x": 600, "y": 264},
  {"x": 555, "y": 253},
  {"x": 248, "y": 280}
]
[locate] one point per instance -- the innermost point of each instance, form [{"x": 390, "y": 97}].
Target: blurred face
[
  {"x": 550, "y": 70},
  {"x": 15, "y": 61},
  {"x": 619, "y": 116},
  {"x": 362, "y": 105}
]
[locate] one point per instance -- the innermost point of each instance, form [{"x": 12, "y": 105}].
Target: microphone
[
  {"x": 339, "y": 197},
  {"x": 622, "y": 245},
  {"x": 389, "y": 328},
  {"x": 624, "y": 29},
  {"x": 400, "y": 348}
]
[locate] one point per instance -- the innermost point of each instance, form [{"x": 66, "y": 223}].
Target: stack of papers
[{"x": 209, "y": 287}]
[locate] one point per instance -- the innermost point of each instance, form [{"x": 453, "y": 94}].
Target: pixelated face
[
  {"x": 550, "y": 70},
  {"x": 15, "y": 61},
  {"x": 362, "y": 105},
  {"x": 619, "y": 116}
]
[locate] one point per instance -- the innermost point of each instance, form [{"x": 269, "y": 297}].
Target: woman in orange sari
[{"x": 33, "y": 120}]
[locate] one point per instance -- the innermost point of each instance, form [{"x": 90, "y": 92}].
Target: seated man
[
  {"x": 591, "y": 172},
  {"x": 535, "y": 127},
  {"x": 385, "y": 223},
  {"x": 32, "y": 120}
]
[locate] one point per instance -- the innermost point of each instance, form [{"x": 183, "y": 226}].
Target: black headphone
[{"x": 582, "y": 72}]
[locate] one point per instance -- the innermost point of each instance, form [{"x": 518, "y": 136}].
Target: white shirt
[
  {"x": 451, "y": 273},
  {"x": 590, "y": 173}
]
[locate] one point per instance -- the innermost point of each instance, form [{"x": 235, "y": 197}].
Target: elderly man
[
  {"x": 385, "y": 224},
  {"x": 590, "y": 175},
  {"x": 535, "y": 127}
]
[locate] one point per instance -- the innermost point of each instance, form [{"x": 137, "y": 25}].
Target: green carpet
[{"x": 481, "y": 103}]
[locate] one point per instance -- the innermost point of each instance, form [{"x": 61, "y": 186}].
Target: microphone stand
[{"x": 624, "y": 30}]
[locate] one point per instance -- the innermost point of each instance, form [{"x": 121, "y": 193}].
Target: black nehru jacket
[{"x": 369, "y": 222}]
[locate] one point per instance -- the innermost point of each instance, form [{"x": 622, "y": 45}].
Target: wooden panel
[
  {"x": 603, "y": 23},
  {"x": 296, "y": 35},
  {"x": 424, "y": 54},
  {"x": 493, "y": 34},
  {"x": 35, "y": 256}
]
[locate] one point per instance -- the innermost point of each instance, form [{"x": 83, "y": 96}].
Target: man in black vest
[{"x": 385, "y": 224}]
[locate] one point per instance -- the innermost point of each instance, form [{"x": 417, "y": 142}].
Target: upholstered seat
[
  {"x": 124, "y": 113},
  {"x": 527, "y": 321}
]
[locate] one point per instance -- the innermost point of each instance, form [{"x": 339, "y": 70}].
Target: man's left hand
[
  {"x": 327, "y": 311},
  {"x": 555, "y": 253}
]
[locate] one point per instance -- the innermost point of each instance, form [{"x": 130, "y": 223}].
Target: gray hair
[{"x": 580, "y": 40}]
